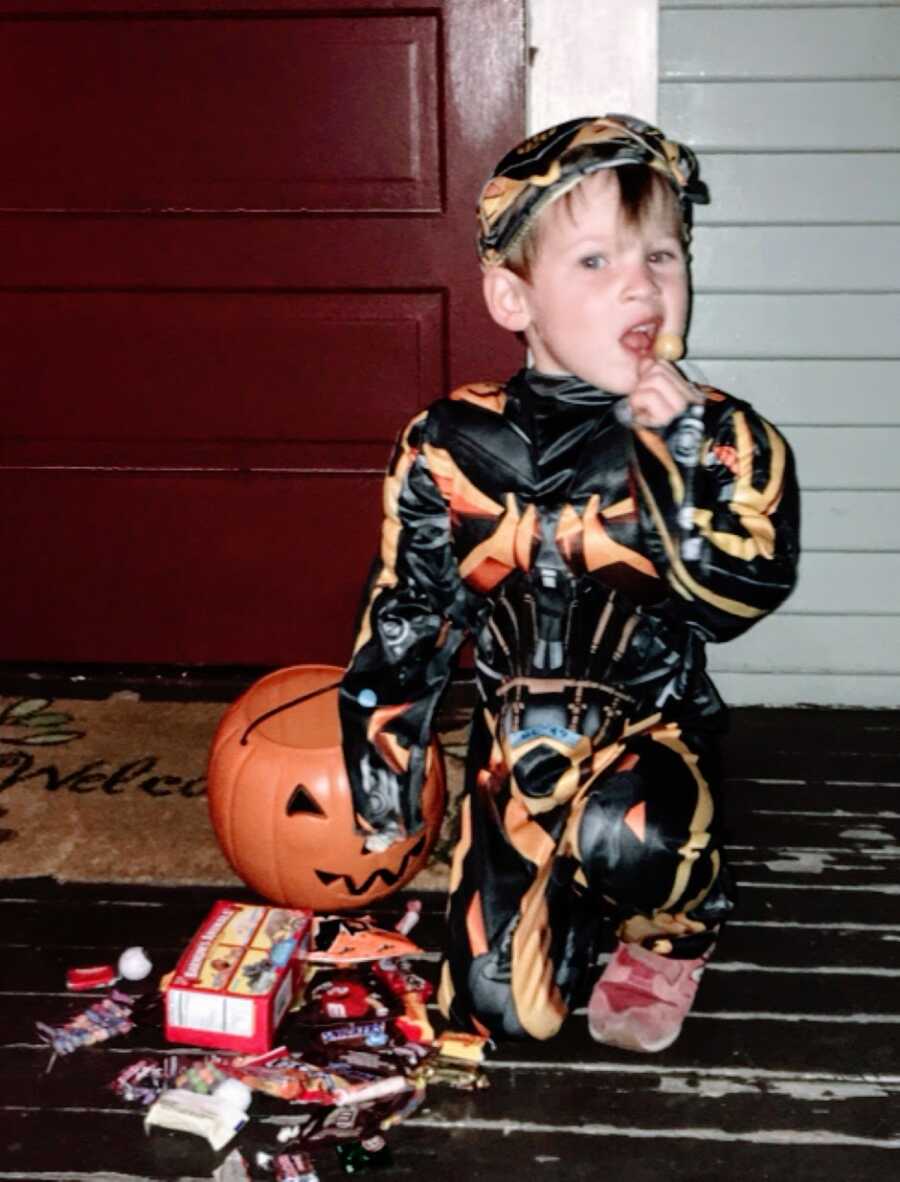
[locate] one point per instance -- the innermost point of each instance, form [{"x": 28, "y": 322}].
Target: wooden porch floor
[{"x": 788, "y": 1068}]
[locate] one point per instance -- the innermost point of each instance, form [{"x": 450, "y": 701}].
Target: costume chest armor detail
[
  {"x": 541, "y": 487},
  {"x": 546, "y": 534}
]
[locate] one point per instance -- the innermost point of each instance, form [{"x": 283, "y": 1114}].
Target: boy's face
[{"x": 601, "y": 290}]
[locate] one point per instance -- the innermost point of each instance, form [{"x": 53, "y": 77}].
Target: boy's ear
[{"x": 506, "y": 296}]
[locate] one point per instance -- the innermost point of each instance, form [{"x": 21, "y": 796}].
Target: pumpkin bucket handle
[{"x": 323, "y": 689}]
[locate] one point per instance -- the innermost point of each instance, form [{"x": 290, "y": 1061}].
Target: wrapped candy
[
  {"x": 285, "y": 1076},
  {"x": 413, "y": 992},
  {"x": 106, "y": 1019}
]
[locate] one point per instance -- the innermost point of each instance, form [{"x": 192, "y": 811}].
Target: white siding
[{"x": 794, "y": 109}]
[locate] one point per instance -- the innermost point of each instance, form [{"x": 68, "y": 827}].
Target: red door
[{"x": 236, "y": 254}]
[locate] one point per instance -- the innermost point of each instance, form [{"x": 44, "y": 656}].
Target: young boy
[{"x": 591, "y": 523}]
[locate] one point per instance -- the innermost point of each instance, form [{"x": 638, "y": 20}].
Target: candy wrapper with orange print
[
  {"x": 347, "y": 940},
  {"x": 238, "y": 976}
]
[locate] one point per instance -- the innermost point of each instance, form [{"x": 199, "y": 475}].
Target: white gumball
[
  {"x": 235, "y": 1093},
  {"x": 134, "y": 964}
]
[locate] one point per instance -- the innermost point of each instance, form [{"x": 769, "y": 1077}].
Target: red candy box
[{"x": 238, "y": 976}]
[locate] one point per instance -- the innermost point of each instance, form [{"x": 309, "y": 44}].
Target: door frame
[{"x": 591, "y": 57}]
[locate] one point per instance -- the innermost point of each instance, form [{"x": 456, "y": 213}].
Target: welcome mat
[{"x": 115, "y": 791}]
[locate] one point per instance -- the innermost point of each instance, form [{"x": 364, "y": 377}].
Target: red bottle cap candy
[{"x": 97, "y": 976}]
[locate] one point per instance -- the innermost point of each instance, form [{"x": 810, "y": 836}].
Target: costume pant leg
[
  {"x": 529, "y": 893},
  {"x": 522, "y": 936},
  {"x": 648, "y": 840}
]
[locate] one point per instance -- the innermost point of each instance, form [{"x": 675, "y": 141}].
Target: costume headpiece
[{"x": 548, "y": 164}]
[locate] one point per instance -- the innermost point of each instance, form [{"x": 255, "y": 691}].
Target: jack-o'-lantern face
[
  {"x": 341, "y": 863},
  {"x": 281, "y": 806}
]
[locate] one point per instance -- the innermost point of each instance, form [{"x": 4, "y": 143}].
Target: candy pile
[{"x": 357, "y": 1053}]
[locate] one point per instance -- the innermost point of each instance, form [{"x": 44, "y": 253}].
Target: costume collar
[{"x": 561, "y": 389}]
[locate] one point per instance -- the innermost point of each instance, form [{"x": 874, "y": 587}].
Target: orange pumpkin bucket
[{"x": 280, "y": 802}]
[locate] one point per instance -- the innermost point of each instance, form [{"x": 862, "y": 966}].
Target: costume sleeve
[
  {"x": 722, "y": 530},
  {"x": 411, "y": 625}
]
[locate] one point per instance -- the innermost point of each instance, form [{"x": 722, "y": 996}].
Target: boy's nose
[{"x": 639, "y": 280}]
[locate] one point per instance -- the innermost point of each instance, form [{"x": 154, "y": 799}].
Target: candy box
[{"x": 237, "y": 977}]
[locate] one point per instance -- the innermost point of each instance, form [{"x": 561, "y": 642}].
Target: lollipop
[{"x": 668, "y": 346}]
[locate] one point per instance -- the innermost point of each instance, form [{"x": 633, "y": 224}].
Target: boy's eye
[
  {"x": 593, "y": 262},
  {"x": 662, "y": 256}
]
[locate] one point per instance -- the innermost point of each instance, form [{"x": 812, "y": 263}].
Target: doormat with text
[{"x": 115, "y": 791}]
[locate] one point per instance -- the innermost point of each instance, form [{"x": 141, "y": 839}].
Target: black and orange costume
[{"x": 590, "y": 564}]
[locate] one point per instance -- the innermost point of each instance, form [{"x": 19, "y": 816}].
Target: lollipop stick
[{"x": 668, "y": 346}]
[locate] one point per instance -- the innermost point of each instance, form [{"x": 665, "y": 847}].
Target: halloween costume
[
  {"x": 549, "y": 164},
  {"x": 590, "y": 564}
]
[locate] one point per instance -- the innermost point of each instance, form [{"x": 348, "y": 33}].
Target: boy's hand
[{"x": 661, "y": 394}]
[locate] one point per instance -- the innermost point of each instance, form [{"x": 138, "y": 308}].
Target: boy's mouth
[{"x": 640, "y": 337}]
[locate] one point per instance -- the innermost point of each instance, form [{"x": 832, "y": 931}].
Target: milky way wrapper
[{"x": 237, "y": 977}]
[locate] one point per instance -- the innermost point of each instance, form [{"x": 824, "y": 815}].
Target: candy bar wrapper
[
  {"x": 463, "y": 1076},
  {"x": 211, "y": 1117},
  {"x": 411, "y": 1059},
  {"x": 462, "y": 1046},
  {"x": 345, "y": 940},
  {"x": 370, "y": 1090},
  {"x": 294, "y": 1167},
  {"x": 317, "y": 1128},
  {"x": 286, "y": 1077},
  {"x": 145, "y": 1079},
  {"x": 106, "y": 1019},
  {"x": 459, "y": 1060},
  {"x": 238, "y": 976}
]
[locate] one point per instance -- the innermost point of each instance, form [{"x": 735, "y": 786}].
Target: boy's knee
[{"x": 630, "y": 840}]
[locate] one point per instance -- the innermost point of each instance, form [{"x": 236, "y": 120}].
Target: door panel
[
  {"x": 186, "y": 556},
  {"x": 220, "y": 377},
  {"x": 201, "y": 111},
  {"x": 238, "y": 255}
]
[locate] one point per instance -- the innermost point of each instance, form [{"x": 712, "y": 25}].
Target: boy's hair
[
  {"x": 642, "y": 192},
  {"x": 548, "y": 165}
]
